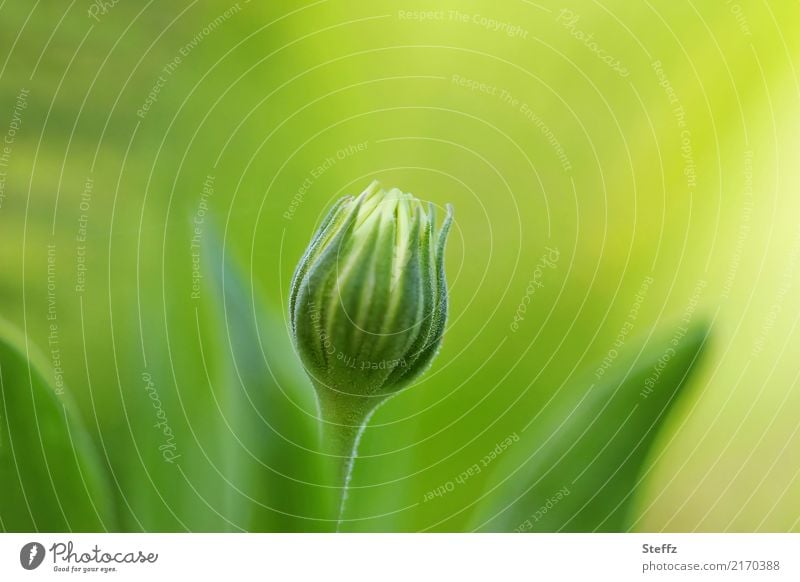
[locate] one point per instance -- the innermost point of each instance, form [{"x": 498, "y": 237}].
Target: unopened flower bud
[{"x": 368, "y": 301}]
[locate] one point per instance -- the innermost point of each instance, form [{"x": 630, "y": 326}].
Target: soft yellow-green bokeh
[{"x": 535, "y": 141}]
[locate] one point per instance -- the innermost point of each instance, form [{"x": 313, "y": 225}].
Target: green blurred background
[{"x": 652, "y": 139}]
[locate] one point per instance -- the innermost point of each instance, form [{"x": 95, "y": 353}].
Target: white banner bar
[{"x": 389, "y": 557}]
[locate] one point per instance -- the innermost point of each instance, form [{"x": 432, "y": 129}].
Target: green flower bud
[
  {"x": 368, "y": 300},
  {"x": 368, "y": 303}
]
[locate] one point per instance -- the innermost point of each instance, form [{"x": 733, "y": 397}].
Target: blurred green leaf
[
  {"x": 578, "y": 464},
  {"x": 279, "y": 479},
  {"x": 50, "y": 476}
]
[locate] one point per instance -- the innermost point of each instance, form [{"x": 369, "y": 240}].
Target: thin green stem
[{"x": 343, "y": 418}]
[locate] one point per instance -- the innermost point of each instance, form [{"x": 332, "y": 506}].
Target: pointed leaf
[
  {"x": 278, "y": 476},
  {"x": 50, "y": 476},
  {"x": 579, "y": 463}
]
